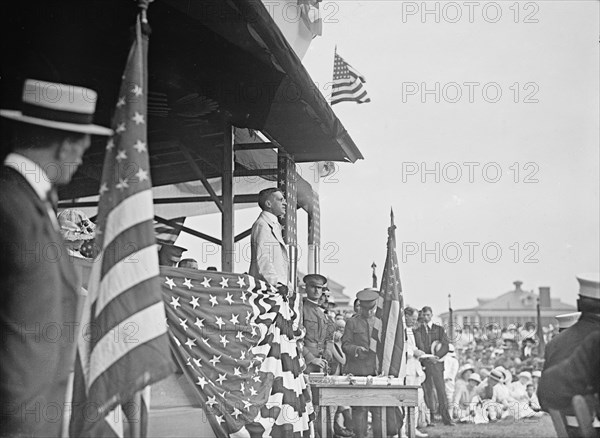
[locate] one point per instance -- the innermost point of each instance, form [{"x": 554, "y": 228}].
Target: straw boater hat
[
  {"x": 57, "y": 106},
  {"x": 496, "y": 375},
  {"x": 465, "y": 367},
  {"x": 75, "y": 225}
]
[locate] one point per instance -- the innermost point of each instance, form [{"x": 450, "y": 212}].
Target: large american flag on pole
[
  {"x": 233, "y": 337},
  {"x": 388, "y": 333},
  {"x": 347, "y": 83},
  {"x": 123, "y": 345}
]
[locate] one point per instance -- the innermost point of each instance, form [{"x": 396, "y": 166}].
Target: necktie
[
  {"x": 428, "y": 337},
  {"x": 52, "y": 206}
]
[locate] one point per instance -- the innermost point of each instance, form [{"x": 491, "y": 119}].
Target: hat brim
[{"x": 64, "y": 126}]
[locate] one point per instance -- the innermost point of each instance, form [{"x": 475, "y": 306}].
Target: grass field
[{"x": 534, "y": 428}]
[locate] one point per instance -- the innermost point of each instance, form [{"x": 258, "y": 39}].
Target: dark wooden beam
[
  {"x": 187, "y": 230},
  {"x": 253, "y": 146},
  {"x": 243, "y": 235}
]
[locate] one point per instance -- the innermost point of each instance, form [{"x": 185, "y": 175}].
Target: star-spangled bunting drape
[
  {"x": 388, "y": 332},
  {"x": 123, "y": 346},
  {"x": 347, "y": 83},
  {"x": 232, "y": 336}
]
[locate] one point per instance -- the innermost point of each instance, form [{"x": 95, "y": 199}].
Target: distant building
[
  {"x": 337, "y": 296},
  {"x": 514, "y": 307}
]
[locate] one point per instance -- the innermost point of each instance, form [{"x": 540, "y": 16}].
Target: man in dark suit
[
  {"x": 564, "y": 346},
  {"x": 361, "y": 361},
  {"x": 38, "y": 320},
  {"x": 425, "y": 336}
]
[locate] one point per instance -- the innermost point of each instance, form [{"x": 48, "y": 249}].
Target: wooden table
[{"x": 327, "y": 394}]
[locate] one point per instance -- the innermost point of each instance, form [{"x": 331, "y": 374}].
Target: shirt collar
[
  {"x": 271, "y": 217},
  {"x": 316, "y": 303},
  {"x": 429, "y": 325},
  {"x": 32, "y": 172}
]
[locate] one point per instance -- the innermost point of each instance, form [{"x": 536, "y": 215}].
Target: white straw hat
[{"x": 57, "y": 106}]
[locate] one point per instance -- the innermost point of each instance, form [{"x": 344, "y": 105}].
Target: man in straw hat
[
  {"x": 51, "y": 133},
  {"x": 578, "y": 347},
  {"x": 361, "y": 361}
]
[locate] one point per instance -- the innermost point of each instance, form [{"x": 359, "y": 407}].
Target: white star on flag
[
  {"x": 222, "y": 378},
  {"x": 120, "y": 128},
  {"x": 237, "y": 372},
  {"x": 236, "y": 412},
  {"x": 175, "y": 302},
  {"x": 247, "y": 404},
  {"x": 183, "y": 323},
  {"x": 219, "y": 321},
  {"x": 240, "y": 336},
  {"x": 224, "y": 283},
  {"x": 140, "y": 146},
  {"x": 213, "y": 301},
  {"x": 197, "y": 362},
  {"x": 121, "y": 155},
  {"x": 138, "y": 118},
  {"x": 187, "y": 283},
  {"x": 121, "y": 102},
  {"x": 212, "y": 400},
  {"x": 103, "y": 188},
  {"x": 137, "y": 90},
  {"x": 110, "y": 144},
  {"x": 122, "y": 185},
  {"x": 190, "y": 343},
  {"x": 229, "y": 298},
  {"x": 171, "y": 284},
  {"x": 199, "y": 322},
  {"x": 223, "y": 340},
  {"x": 219, "y": 418},
  {"x": 234, "y": 319},
  {"x": 194, "y": 303},
  {"x": 206, "y": 282},
  {"x": 215, "y": 360},
  {"x": 241, "y": 282},
  {"x": 201, "y": 382},
  {"x": 142, "y": 175}
]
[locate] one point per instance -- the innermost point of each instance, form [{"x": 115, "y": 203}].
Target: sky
[{"x": 483, "y": 136}]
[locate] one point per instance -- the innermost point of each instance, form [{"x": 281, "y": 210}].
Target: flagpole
[
  {"x": 450, "y": 318},
  {"x": 374, "y": 275}
]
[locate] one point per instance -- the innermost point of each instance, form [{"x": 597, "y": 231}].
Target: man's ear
[{"x": 63, "y": 150}]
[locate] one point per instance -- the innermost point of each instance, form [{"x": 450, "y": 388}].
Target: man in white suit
[{"x": 269, "y": 256}]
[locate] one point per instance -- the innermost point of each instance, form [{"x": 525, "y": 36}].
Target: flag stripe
[
  {"x": 124, "y": 248},
  {"x": 120, "y": 309},
  {"x": 125, "y": 275},
  {"x": 110, "y": 349},
  {"x": 133, "y": 210}
]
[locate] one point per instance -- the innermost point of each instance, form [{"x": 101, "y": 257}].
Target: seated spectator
[
  {"x": 463, "y": 398},
  {"x": 188, "y": 263},
  {"x": 518, "y": 389}
]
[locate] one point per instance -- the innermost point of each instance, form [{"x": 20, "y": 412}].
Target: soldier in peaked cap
[
  {"x": 169, "y": 254},
  {"x": 562, "y": 347},
  {"x": 51, "y": 133},
  {"x": 318, "y": 326},
  {"x": 361, "y": 361}
]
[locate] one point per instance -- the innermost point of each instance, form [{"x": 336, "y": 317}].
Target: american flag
[
  {"x": 123, "y": 346},
  {"x": 233, "y": 337},
  {"x": 347, "y": 83},
  {"x": 167, "y": 233},
  {"x": 388, "y": 333}
]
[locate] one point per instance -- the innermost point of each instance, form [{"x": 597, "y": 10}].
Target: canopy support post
[
  {"x": 227, "y": 218},
  {"x": 287, "y": 181}
]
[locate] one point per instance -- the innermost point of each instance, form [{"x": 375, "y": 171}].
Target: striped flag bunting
[
  {"x": 388, "y": 332},
  {"x": 166, "y": 233},
  {"x": 123, "y": 346},
  {"x": 347, "y": 83},
  {"x": 233, "y": 337}
]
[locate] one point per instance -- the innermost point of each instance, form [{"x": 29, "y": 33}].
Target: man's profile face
[
  {"x": 427, "y": 315},
  {"x": 276, "y": 204},
  {"x": 411, "y": 320},
  {"x": 70, "y": 157},
  {"x": 314, "y": 289},
  {"x": 367, "y": 312}
]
